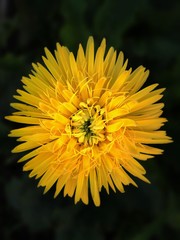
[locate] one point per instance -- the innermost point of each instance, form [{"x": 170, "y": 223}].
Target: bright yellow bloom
[{"x": 88, "y": 122}]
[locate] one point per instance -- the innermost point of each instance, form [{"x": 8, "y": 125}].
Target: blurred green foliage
[{"x": 148, "y": 33}]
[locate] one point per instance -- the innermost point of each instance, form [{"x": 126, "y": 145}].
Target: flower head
[{"x": 88, "y": 122}]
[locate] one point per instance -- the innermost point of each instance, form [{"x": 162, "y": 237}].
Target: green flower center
[
  {"x": 88, "y": 124},
  {"x": 87, "y": 128}
]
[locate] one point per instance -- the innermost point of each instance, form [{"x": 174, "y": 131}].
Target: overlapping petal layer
[{"x": 87, "y": 122}]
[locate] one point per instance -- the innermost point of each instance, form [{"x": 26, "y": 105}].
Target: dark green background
[{"x": 148, "y": 32}]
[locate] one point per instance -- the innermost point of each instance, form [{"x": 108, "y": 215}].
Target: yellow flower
[{"x": 88, "y": 122}]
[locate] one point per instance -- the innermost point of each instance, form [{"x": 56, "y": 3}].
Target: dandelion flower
[{"x": 88, "y": 122}]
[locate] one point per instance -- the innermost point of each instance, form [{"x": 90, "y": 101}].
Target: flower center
[{"x": 88, "y": 124}]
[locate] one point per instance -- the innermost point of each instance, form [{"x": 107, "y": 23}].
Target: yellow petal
[
  {"x": 94, "y": 187},
  {"x": 117, "y": 124},
  {"x": 90, "y": 55}
]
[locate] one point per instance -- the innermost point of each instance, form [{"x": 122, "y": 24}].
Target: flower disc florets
[{"x": 88, "y": 124}]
